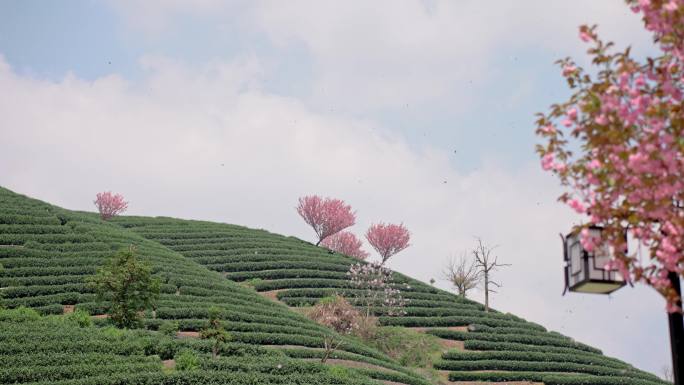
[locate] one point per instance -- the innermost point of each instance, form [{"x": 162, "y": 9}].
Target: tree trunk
[
  {"x": 328, "y": 350},
  {"x": 325, "y": 356},
  {"x": 486, "y": 282},
  {"x": 330, "y": 347}
]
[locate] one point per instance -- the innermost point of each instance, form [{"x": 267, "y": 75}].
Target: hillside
[
  {"x": 47, "y": 253},
  {"x": 489, "y": 346}
]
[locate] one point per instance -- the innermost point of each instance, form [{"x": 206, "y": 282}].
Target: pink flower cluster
[
  {"x": 330, "y": 216},
  {"x": 326, "y": 216},
  {"x": 110, "y": 205},
  {"x": 388, "y": 239},
  {"x": 629, "y": 124},
  {"x": 664, "y": 19},
  {"x": 346, "y": 243}
]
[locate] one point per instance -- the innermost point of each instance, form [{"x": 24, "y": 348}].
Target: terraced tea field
[
  {"x": 260, "y": 282},
  {"x": 491, "y": 346},
  {"x": 47, "y": 253}
]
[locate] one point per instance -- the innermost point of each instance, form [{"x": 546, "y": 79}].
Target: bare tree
[
  {"x": 487, "y": 263},
  {"x": 463, "y": 276},
  {"x": 666, "y": 373}
]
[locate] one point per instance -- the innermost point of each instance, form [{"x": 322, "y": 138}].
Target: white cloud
[
  {"x": 156, "y": 17},
  {"x": 208, "y": 143},
  {"x": 383, "y": 54},
  {"x": 370, "y": 56}
]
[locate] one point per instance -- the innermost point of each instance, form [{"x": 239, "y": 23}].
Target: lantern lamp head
[{"x": 587, "y": 272}]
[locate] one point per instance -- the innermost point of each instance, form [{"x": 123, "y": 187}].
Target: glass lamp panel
[
  {"x": 575, "y": 256},
  {"x": 598, "y": 273},
  {"x": 600, "y": 258}
]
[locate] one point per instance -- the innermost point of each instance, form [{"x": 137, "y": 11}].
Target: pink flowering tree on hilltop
[
  {"x": 326, "y": 216},
  {"x": 626, "y": 121},
  {"x": 346, "y": 243},
  {"x": 110, "y": 205},
  {"x": 388, "y": 239}
]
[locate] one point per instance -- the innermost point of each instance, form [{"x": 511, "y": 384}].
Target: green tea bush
[
  {"x": 409, "y": 347},
  {"x": 80, "y": 317},
  {"x": 550, "y": 379},
  {"x": 187, "y": 360},
  {"x": 517, "y": 338},
  {"x": 168, "y": 328},
  {"x": 579, "y": 357},
  {"x": 528, "y": 366}
]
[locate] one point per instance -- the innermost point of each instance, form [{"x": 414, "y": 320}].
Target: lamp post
[{"x": 585, "y": 272}]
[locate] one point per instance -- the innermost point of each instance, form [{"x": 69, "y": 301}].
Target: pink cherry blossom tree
[
  {"x": 346, "y": 243},
  {"x": 326, "y": 216},
  {"x": 617, "y": 145},
  {"x": 388, "y": 239},
  {"x": 110, "y": 205}
]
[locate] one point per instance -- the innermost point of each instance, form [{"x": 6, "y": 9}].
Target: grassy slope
[
  {"x": 507, "y": 347},
  {"x": 48, "y": 252}
]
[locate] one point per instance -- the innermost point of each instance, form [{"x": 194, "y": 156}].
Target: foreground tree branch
[{"x": 617, "y": 146}]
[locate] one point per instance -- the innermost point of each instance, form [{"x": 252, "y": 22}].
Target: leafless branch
[
  {"x": 462, "y": 274},
  {"x": 487, "y": 263}
]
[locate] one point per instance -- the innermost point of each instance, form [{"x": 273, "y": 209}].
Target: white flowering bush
[{"x": 375, "y": 289}]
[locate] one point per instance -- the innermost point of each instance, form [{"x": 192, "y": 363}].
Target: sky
[{"x": 420, "y": 112}]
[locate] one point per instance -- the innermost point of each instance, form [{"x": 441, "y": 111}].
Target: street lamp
[{"x": 585, "y": 272}]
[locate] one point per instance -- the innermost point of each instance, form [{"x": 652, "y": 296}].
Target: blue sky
[
  {"x": 91, "y": 40},
  {"x": 413, "y": 111}
]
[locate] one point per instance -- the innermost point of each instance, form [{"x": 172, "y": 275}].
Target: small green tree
[
  {"x": 214, "y": 331},
  {"x": 127, "y": 284}
]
